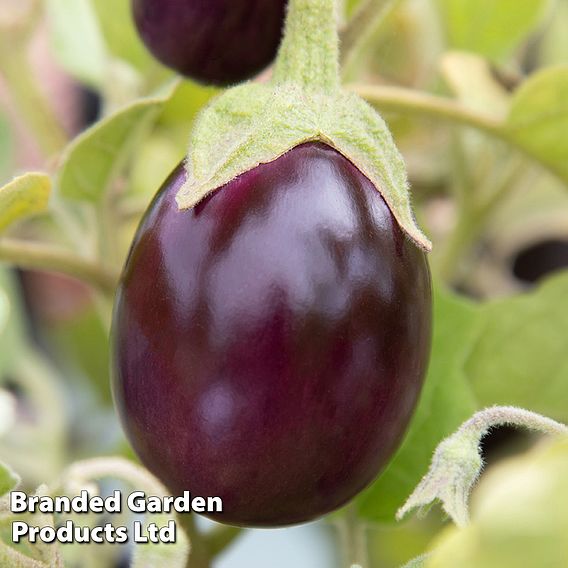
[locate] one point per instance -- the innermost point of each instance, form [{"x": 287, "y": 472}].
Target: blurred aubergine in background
[{"x": 219, "y": 42}]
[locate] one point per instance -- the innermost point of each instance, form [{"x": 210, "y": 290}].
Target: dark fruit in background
[
  {"x": 270, "y": 344},
  {"x": 214, "y": 41},
  {"x": 540, "y": 259}
]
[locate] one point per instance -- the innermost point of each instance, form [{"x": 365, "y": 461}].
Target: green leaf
[
  {"x": 154, "y": 161},
  {"x": 492, "y": 28},
  {"x": 538, "y": 120},
  {"x": 520, "y": 356},
  {"x": 24, "y": 196},
  {"x": 76, "y": 40},
  {"x": 8, "y": 479},
  {"x": 184, "y": 104},
  {"x": 445, "y": 403},
  {"x": 93, "y": 160}
]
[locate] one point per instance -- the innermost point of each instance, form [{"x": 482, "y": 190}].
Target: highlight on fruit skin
[
  {"x": 270, "y": 344},
  {"x": 219, "y": 42}
]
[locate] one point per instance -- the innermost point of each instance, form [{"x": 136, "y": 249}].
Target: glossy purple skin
[
  {"x": 214, "y": 41},
  {"x": 270, "y": 344}
]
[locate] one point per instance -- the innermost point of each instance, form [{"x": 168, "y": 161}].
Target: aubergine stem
[
  {"x": 221, "y": 538},
  {"x": 199, "y": 554},
  {"x": 353, "y": 538},
  {"x": 39, "y": 256},
  {"x": 309, "y": 53},
  {"x": 205, "y": 547}
]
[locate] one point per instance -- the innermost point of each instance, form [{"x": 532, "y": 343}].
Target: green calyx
[{"x": 254, "y": 123}]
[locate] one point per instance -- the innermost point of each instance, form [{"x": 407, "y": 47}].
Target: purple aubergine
[
  {"x": 270, "y": 344},
  {"x": 220, "y": 42}
]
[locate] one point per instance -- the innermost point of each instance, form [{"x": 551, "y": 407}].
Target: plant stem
[
  {"x": 309, "y": 54},
  {"x": 481, "y": 423},
  {"x": 353, "y": 538},
  {"x": 365, "y": 22},
  {"x": 94, "y": 469},
  {"x": 457, "y": 462},
  {"x": 40, "y": 256},
  {"x": 204, "y": 547},
  {"x": 221, "y": 538},
  {"x": 199, "y": 556},
  {"x": 33, "y": 106},
  {"x": 411, "y": 101}
]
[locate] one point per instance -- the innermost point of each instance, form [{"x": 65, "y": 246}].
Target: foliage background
[{"x": 476, "y": 94}]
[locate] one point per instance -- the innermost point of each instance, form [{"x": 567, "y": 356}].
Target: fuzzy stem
[
  {"x": 39, "y": 256},
  {"x": 199, "y": 556},
  {"x": 483, "y": 421},
  {"x": 221, "y": 538},
  {"x": 457, "y": 461},
  {"x": 98, "y": 468},
  {"x": 309, "y": 54}
]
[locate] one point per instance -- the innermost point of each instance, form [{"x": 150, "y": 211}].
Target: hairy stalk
[
  {"x": 221, "y": 538},
  {"x": 89, "y": 470},
  {"x": 199, "y": 555},
  {"x": 40, "y": 256},
  {"x": 310, "y": 60},
  {"x": 481, "y": 423},
  {"x": 204, "y": 547},
  {"x": 457, "y": 462}
]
